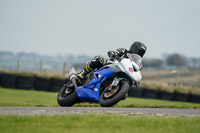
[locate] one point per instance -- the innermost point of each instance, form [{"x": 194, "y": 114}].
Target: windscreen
[{"x": 136, "y": 58}]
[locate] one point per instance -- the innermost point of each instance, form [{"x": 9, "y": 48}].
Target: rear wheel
[
  {"x": 67, "y": 95},
  {"x": 109, "y": 96}
]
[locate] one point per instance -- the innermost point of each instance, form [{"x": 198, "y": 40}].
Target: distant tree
[
  {"x": 194, "y": 62},
  {"x": 153, "y": 63},
  {"x": 176, "y": 60}
]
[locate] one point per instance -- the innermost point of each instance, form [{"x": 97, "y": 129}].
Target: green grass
[
  {"x": 92, "y": 123},
  {"x": 13, "y": 97},
  {"x": 154, "y": 103}
]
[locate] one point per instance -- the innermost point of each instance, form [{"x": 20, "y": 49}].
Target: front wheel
[
  {"x": 112, "y": 95},
  {"x": 67, "y": 95}
]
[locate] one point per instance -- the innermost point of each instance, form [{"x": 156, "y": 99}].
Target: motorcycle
[{"x": 106, "y": 86}]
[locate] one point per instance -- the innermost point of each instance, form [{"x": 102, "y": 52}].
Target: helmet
[{"x": 138, "y": 48}]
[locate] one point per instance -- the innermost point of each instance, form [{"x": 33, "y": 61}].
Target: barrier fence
[
  {"x": 55, "y": 84},
  {"x": 31, "y": 82}
]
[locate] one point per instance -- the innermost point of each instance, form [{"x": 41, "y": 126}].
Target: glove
[
  {"x": 121, "y": 51},
  {"x": 112, "y": 54}
]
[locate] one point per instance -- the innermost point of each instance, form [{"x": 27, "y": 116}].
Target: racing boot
[
  {"x": 84, "y": 72},
  {"x": 96, "y": 63}
]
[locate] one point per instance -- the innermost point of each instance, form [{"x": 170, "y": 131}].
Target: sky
[{"x": 93, "y": 27}]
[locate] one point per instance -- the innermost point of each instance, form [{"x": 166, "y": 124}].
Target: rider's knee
[{"x": 98, "y": 62}]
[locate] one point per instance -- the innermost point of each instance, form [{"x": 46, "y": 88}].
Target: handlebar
[{"x": 117, "y": 58}]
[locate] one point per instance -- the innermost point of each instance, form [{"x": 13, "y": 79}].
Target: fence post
[
  {"x": 41, "y": 70},
  {"x": 64, "y": 68},
  {"x": 18, "y": 65},
  {"x": 177, "y": 80}
]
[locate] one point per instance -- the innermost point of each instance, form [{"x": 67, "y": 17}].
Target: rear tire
[
  {"x": 67, "y": 99},
  {"x": 115, "y": 98}
]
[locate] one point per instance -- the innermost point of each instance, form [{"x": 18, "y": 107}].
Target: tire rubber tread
[
  {"x": 68, "y": 101},
  {"x": 116, "y": 98}
]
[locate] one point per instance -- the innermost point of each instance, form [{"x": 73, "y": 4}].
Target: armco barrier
[
  {"x": 41, "y": 84},
  {"x": 8, "y": 80},
  {"x": 24, "y": 82}
]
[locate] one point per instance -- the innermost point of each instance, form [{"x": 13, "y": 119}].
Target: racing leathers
[{"x": 97, "y": 62}]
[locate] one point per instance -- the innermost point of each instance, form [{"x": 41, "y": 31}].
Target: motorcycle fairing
[{"x": 90, "y": 92}]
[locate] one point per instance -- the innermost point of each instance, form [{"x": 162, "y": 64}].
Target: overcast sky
[{"x": 94, "y": 27}]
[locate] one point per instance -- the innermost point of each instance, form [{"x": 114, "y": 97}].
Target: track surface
[{"x": 75, "y": 110}]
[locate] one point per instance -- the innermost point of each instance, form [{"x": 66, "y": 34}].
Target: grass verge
[
  {"x": 13, "y": 97},
  {"x": 90, "y": 123}
]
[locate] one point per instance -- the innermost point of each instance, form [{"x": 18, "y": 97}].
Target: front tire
[
  {"x": 67, "y": 96},
  {"x": 108, "y": 100}
]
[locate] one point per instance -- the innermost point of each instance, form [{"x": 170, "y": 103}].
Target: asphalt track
[{"x": 81, "y": 110}]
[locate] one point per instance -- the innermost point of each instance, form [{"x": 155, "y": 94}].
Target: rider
[{"x": 97, "y": 62}]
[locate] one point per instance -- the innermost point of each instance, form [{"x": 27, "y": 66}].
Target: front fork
[
  {"x": 73, "y": 77},
  {"x": 74, "y": 82},
  {"x": 115, "y": 83}
]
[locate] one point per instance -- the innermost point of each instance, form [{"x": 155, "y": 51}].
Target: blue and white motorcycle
[{"x": 106, "y": 86}]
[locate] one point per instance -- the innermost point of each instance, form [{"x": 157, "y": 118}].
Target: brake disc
[{"x": 111, "y": 91}]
